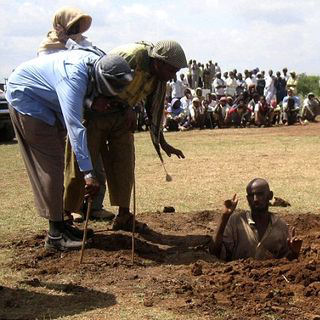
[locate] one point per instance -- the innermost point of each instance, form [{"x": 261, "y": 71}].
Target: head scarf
[
  {"x": 63, "y": 20},
  {"x": 112, "y": 74},
  {"x": 107, "y": 76},
  {"x": 170, "y": 52}
]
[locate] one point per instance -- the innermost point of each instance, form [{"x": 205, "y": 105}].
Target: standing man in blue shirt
[{"x": 46, "y": 97}]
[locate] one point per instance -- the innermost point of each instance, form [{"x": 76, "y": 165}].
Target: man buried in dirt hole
[{"x": 258, "y": 233}]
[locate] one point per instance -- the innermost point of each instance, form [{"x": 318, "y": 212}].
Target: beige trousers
[{"x": 107, "y": 135}]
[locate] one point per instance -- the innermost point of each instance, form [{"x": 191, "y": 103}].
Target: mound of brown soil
[{"x": 174, "y": 270}]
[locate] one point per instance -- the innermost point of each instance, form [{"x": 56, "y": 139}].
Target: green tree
[{"x": 308, "y": 84}]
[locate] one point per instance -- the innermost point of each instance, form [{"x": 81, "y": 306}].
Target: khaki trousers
[
  {"x": 42, "y": 150},
  {"x": 107, "y": 135}
]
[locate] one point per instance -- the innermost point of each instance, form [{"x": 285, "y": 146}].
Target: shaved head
[
  {"x": 259, "y": 195},
  {"x": 258, "y": 182}
]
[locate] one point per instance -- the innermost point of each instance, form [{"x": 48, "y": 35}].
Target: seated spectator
[
  {"x": 199, "y": 95},
  {"x": 257, "y": 233},
  {"x": 220, "y": 112},
  {"x": 198, "y": 113},
  {"x": 235, "y": 114},
  {"x": 212, "y": 103},
  {"x": 310, "y": 108},
  {"x": 290, "y": 108},
  {"x": 263, "y": 114},
  {"x": 175, "y": 116},
  {"x": 276, "y": 112},
  {"x": 248, "y": 116}
]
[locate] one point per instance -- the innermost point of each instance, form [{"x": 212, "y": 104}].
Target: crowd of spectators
[{"x": 206, "y": 98}]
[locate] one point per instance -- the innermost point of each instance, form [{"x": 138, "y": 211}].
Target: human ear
[{"x": 270, "y": 195}]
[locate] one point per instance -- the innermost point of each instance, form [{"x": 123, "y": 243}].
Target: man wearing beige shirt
[{"x": 258, "y": 233}]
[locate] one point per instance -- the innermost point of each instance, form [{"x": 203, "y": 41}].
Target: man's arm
[
  {"x": 294, "y": 245},
  {"x": 71, "y": 94},
  {"x": 168, "y": 149},
  {"x": 230, "y": 206}
]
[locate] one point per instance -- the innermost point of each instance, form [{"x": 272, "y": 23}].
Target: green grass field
[{"x": 218, "y": 164}]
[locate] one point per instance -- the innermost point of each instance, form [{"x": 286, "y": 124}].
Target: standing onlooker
[
  {"x": 280, "y": 85},
  {"x": 217, "y": 67},
  {"x": 261, "y": 84},
  {"x": 241, "y": 84},
  {"x": 270, "y": 90},
  {"x": 194, "y": 74},
  {"x": 177, "y": 88},
  {"x": 219, "y": 86},
  {"x": 68, "y": 23},
  {"x": 292, "y": 82},
  {"x": 285, "y": 74},
  {"x": 231, "y": 85}
]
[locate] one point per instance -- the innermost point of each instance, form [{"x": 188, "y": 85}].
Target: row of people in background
[
  {"x": 249, "y": 108},
  {"x": 233, "y": 83}
]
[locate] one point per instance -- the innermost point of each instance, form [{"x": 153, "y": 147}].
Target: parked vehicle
[{"x": 6, "y": 128}]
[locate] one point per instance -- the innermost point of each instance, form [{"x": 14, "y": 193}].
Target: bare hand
[
  {"x": 91, "y": 187},
  {"x": 230, "y": 205},
  {"x": 169, "y": 150},
  {"x": 294, "y": 243},
  {"x": 131, "y": 120}
]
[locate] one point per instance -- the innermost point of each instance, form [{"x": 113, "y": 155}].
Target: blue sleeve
[{"x": 71, "y": 92}]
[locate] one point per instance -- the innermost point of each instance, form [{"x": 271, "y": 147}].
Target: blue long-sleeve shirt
[{"x": 54, "y": 86}]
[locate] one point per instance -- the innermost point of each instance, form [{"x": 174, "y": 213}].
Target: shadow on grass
[
  {"x": 60, "y": 300},
  {"x": 8, "y": 142}
]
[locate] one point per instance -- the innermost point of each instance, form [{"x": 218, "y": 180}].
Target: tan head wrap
[
  {"x": 170, "y": 52},
  {"x": 63, "y": 19}
]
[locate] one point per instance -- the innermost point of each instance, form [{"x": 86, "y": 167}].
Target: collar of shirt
[{"x": 252, "y": 224}]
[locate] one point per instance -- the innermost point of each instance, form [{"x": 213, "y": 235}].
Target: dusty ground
[{"x": 172, "y": 271}]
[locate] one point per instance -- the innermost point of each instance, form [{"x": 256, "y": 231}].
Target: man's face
[
  {"x": 258, "y": 197},
  {"x": 164, "y": 71}
]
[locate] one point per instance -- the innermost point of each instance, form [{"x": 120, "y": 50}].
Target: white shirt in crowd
[
  {"x": 218, "y": 83},
  {"x": 177, "y": 89},
  {"x": 231, "y": 87}
]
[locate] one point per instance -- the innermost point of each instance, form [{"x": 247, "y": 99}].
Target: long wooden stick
[
  {"x": 85, "y": 229},
  {"x": 134, "y": 218}
]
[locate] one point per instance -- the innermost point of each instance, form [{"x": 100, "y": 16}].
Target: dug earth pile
[{"x": 172, "y": 271}]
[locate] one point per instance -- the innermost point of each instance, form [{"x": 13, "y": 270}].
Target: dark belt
[{"x": 115, "y": 107}]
